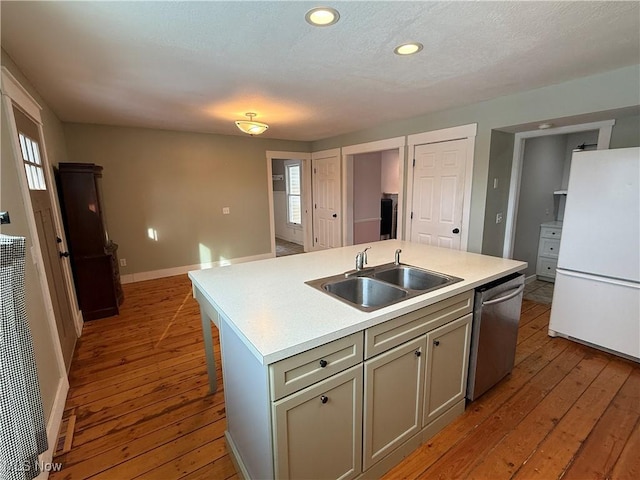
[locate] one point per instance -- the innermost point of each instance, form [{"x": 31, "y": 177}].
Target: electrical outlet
[
  {"x": 226, "y": 210},
  {"x": 123, "y": 262},
  {"x": 495, "y": 183},
  {"x": 499, "y": 217}
]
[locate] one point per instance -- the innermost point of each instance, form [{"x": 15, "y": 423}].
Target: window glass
[
  {"x": 294, "y": 201},
  {"x": 32, "y": 163}
]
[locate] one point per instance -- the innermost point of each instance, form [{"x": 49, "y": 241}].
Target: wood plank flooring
[{"x": 139, "y": 393}]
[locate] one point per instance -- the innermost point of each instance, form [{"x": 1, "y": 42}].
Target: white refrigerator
[{"x": 596, "y": 297}]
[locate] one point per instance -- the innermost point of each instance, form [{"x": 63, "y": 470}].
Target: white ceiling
[{"x": 198, "y": 66}]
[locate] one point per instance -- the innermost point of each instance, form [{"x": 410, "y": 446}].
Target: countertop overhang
[{"x": 277, "y": 315}]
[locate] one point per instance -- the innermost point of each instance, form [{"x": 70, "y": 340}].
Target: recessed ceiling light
[
  {"x": 544, "y": 126},
  {"x": 322, "y": 16},
  {"x": 408, "y": 48}
]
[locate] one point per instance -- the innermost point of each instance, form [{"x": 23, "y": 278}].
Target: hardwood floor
[{"x": 139, "y": 393}]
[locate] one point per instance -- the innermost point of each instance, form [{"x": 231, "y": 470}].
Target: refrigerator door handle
[
  {"x": 504, "y": 298},
  {"x": 590, "y": 276}
]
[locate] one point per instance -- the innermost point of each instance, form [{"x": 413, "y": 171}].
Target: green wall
[
  {"x": 176, "y": 184},
  {"x": 597, "y": 93},
  {"x": 11, "y": 200}
]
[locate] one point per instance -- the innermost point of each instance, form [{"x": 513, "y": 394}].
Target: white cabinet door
[
  {"x": 318, "y": 430},
  {"x": 394, "y": 384},
  {"x": 447, "y": 365}
]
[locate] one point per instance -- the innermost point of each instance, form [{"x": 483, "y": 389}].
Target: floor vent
[{"x": 65, "y": 437}]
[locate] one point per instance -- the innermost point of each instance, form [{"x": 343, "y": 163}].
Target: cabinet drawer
[
  {"x": 551, "y": 232},
  {"x": 399, "y": 330},
  {"x": 300, "y": 371},
  {"x": 549, "y": 247},
  {"x": 547, "y": 267}
]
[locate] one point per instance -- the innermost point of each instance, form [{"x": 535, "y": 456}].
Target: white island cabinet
[{"x": 315, "y": 388}]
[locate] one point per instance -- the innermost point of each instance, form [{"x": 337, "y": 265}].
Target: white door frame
[
  {"x": 604, "y": 137},
  {"x": 305, "y": 158},
  {"x": 14, "y": 93},
  {"x": 348, "y": 152},
  {"x": 462, "y": 132}
]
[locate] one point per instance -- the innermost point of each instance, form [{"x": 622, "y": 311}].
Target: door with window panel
[{"x": 50, "y": 241}]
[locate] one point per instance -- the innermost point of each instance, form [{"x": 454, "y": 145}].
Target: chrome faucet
[
  {"x": 397, "y": 261},
  {"x": 361, "y": 259}
]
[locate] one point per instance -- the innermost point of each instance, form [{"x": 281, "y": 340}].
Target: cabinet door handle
[
  {"x": 323, "y": 363},
  {"x": 324, "y": 399},
  {"x": 436, "y": 342},
  {"x": 417, "y": 353}
]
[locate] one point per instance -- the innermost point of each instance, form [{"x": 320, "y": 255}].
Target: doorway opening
[
  {"x": 373, "y": 191},
  {"x": 289, "y": 190},
  {"x": 537, "y": 197}
]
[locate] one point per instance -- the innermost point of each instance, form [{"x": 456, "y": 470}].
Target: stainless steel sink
[
  {"x": 413, "y": 278},
  {"x": 365, "y": 292},
  {"x": 381, "y": 286}
]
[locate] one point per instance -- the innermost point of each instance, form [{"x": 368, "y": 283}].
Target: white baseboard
[
  {"x": 170, "y": 272},
  {"x": 53, "y": 425}
]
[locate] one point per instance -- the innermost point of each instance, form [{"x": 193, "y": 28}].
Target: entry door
[
  {"x": 29, "y": 137},
  {"x": 438, "y": 193},
  {"x": 326, "y": 202}
]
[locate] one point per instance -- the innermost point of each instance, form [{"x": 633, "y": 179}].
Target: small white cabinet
[
  {"x": 548, "y": 250},
  {"x": 318, "y": 431},
  {"x": 447, "y": 366},
  {"x": 394, "y": 386}
]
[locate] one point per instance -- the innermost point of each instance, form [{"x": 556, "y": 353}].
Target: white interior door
[
  {"x": 50, "y": 240},
  {"x": 327, "y": 232},
  {"x": 438, "y": 193}
]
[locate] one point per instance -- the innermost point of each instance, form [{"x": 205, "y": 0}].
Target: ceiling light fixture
[
  {"x": 408, "y": 48},
  {"x": 251, "y": 127},
  {"x": 322, "y": 16},
  {"x": 544, "y": 126}
]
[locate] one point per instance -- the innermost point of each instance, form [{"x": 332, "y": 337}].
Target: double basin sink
[{"x": 378, "y": 287}]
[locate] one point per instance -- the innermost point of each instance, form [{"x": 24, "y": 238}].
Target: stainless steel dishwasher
[{"x": 496, "y": 316}]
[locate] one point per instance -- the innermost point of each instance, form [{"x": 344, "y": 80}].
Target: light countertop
[{"x": 277, "y": 315}]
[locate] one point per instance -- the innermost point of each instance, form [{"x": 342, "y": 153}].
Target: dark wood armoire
[{"x": 94, "y": 259}]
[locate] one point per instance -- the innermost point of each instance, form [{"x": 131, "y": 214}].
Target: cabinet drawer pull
[
  {"x": 417, "y": 353},
  {"x": 436, "y": 342},
  {"x": 324, "y": 399},
  {"x": 323, "y": 363}
]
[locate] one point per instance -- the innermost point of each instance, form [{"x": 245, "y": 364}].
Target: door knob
[
  {"x": 455, "y": 230},
  {"x": 64, "y": 254},
  {"x": 335, "y": 215}
]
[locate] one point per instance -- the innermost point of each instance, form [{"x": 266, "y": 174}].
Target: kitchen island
[{"x": 300, "y": 367}]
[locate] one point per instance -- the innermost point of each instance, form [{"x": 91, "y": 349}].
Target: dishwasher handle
[{"x": 504, "y": 298}]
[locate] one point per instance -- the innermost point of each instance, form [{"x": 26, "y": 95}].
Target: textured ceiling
[{"x": 198, "y": 66}]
